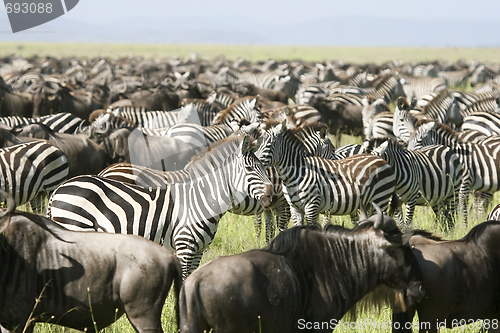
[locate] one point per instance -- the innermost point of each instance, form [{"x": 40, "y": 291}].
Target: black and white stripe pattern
[
  {"x": 59, "y": 122},
  {"x": 429, "y": 176},
  {"x": 415, "y": 88},
  {"x": 30, "y": 171},
  {"x": 182, "y": 215},
  {"x": 487, "y": 123},
  {"x": 155, "y": 119},
  {"x": 482, "y": 162},
  {"x": 314, "y": 185}
]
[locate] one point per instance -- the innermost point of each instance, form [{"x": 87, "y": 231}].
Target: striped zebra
[
  {"x": 377, "y": 119},
  {"x": 486, "y": 123},
  {"x": 206, "y": 110},
  {"x": 454, "y": 79},
  {"x": 429, "y": 176},
  {"x": 415, "y": 87},
  {"x": 349, "y": 150},
  {"x": 60, "y": 122},
  {"x": 242, "y": 108},
  {"x": 494, "y": 214},
  {"x": 309, "y": 93},
  {"x": 154, "y": 119},
  {"x": 314, "y": 185},
  {"x": 182, "y": 215},
  {"x": 483, "y": 73},
  {"x": 467, "y": 98},
  {"x": 32, "y": 170},
  {"x": 481, "y": 161}
]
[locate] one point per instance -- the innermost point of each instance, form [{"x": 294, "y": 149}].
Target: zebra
[
  {"x": 429, "y": 176},
  {"x": 242, "y": 108},
  {"x": 206, "y": 110},
  {"x": 483, "y": 73},
  {"x": 377, "y": 119},
  {"x": 63, "y": 122},
  {"x": 487, "y": 123},
  {"x": 494, "y": 214},
  {"x": 454, "y": 79},
  {"x": 182, "y": 215},
  {"x": 30, "y": 171},
  {"x": 309, "y": 93},
  {"x": 481, "y": 161},
  {"x": 414, "y": 88},
  {"x": 313, "y": 185},
  {"x": 155, "y": 119}
]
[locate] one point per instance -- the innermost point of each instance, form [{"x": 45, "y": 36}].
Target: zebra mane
[
  {"x": 382, "y": 80},
  {"x": 241, "y": 104},
  {"x": 211, "y": 152},
  {"x": 439, "y": 126}
]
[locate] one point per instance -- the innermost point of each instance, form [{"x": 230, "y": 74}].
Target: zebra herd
[{"x": 427, "y": 142}]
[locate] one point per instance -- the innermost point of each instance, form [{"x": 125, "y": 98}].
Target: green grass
[{"x": 251, "y": 52}]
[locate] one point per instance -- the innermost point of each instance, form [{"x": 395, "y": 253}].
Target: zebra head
[
  {"x": 423, "y": 136},
  {"x": 251, "y": 178},
  {"x": 271, "y": 145}
]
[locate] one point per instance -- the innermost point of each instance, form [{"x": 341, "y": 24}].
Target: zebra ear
[{"x": 278, "y": 129}]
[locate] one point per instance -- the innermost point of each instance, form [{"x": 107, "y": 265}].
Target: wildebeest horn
[
  {"x": 11, "y": 206},
  {"x": 362, "y": 215},
  {"x": 378, "y": 220}
]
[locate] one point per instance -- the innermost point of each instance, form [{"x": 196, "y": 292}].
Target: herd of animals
[{"x": 163, "y": 148}]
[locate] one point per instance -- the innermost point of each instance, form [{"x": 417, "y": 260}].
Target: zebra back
[{"x": 32, "y": 168}]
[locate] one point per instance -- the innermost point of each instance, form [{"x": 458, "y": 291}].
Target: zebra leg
[
  {"x": 190, "y": 260},
  {"x": 297, "y": 215},
  {"x": 270, "y": 230},
  {"x": 483, "y": 200},
  {"x": 257, "y": 220},
  {"x": 38, "y": 203},
  {"x": 463, "y": 198},
  {"x": 311, "y": 211},
  {"x": 283, "y": 216},
  {"x": 326, "y": 219},
  {"x": 410, "y": 210},
  {"x": 354, "y": 217}
]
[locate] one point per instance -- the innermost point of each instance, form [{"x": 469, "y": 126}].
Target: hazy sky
[
  {"x": 360, "y": 22},
  {"x": 282, "y": 12}
]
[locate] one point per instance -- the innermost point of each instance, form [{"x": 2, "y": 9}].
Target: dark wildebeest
[
  {"x": 82, "y": 280},
  {"x": 305, "y": 279},
  {"x": 14, "y": 104},
  {"x": 460, "y": 279},
  {"x": 85, "y": 157}
]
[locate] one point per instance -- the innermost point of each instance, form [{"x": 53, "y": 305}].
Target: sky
[{"x": 388, "y": 22}]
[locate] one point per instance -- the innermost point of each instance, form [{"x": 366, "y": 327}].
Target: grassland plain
[
  {"x": 236, "y": 234},
  {"x": 251, "y": 52}
]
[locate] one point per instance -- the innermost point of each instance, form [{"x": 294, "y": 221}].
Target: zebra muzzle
[{"x": 269, "y": 197}]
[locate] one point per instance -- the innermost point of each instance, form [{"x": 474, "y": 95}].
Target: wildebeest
[
  {"x": 80, "y": 280},
  {"x": 305, "y": 278},
  {"x": 460, "y": 279},
  {"x": 84, "y": 155},
  {"x": 13, "y": 103}
]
